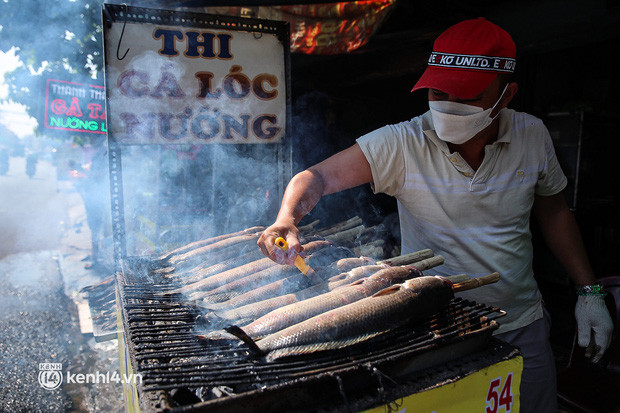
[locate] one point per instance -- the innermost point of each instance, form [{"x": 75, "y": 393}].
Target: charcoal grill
[{"x": 181, "y": 372}]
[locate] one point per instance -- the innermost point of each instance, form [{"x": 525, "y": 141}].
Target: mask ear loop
[{"x": 496, "y": 103}]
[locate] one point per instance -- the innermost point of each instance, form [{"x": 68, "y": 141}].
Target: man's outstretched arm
[{"x": 344, "y": 170}]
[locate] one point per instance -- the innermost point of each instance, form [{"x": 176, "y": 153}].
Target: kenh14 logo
[{"x": 50, "y": 375}]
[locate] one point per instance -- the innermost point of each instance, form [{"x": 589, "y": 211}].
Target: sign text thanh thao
[
  {"x": 191, "y": 85},
  {"x": 74, "y": 107}
]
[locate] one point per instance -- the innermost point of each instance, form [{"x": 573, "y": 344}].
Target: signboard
[
  {"x": 74, "y": 107},
  {"x": 198, "y": 112},
  {"x": 195, "y": 80}
]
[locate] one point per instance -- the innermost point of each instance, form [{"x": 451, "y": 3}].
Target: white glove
[{"x": 592, "y": 315}]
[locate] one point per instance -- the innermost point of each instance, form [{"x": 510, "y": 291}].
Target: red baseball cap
[{"x": 467, "y": 57}]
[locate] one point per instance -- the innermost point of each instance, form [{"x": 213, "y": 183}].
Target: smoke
[{"x": 175, "y": 194}]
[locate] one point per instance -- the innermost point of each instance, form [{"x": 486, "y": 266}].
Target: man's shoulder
[
  {"x": 415, "y": 125},
  {"x": 413, "y": 129},
  {"x": 524, "y": 121},
  {"x": 404, "y": 131}
]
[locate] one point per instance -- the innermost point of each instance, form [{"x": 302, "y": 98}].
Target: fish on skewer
[
  {"x": 278, "y": 291},
  {"x": 225, "y": 299},
  {"x": 397, "y": 305},
  {"x": 201, "y": 243},
  {"x": 322, "y": 256},
  {"x": 246, "y": 314},
  {"x": 222, "y": 278},
  {"x": 295, "y": 282},
  {"x": 248, "y": 306},
  {"x": 205, "y": 270},
  {"x": 206, "y": 252},
  {"x": 422, "y": 260},
  {"x": 225, "y": 259},
  {"x": 347, "y": 269},
  {"x": 294, "y": 313}
]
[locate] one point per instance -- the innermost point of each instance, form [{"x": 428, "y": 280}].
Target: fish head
[
  {"x": 433, "y": 287},
  {"x": 395, "y": 275},
  {"x": 368, "y": 260},
  {"x": 414, "y": 283}
]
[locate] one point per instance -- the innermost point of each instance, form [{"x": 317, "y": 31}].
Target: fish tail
[
  {"x": 216, "y": 335},
  {"x": 241, "y": 335}
]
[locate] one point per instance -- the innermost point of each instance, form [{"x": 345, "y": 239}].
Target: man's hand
[
  {"x": 592, "y": 317},
  {"x": 290, "y": 233}
]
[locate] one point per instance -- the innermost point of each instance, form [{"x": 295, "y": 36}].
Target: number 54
[{"x": 497, "y": 400}]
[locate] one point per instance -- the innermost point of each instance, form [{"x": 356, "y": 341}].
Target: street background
[{"x": 44, "y": 248}]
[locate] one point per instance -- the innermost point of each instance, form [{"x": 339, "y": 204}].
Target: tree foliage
[{"x": 59, "y": 39}]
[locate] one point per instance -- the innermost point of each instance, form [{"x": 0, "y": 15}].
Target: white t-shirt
[{"x": 478, "y": 220}]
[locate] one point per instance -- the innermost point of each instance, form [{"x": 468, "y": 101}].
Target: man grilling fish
[{"x": 466, "y": 175}]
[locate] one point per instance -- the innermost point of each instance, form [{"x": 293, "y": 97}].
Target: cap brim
[{"x": 464, "y": 84}]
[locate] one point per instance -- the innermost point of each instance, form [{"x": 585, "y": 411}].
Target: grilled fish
[
  {"x": 341, "y": 291},
  {"x": 201, "y": 243},
  {"x": 295, "y": 282},
  {"x": 361, "y": 320},
  {"x": 207, "y": 269},
  {"x": 234, "y": 311},
  {"x": 283, "y": 292},
  {"x": 391, "y": 307},
  {"x": 275, "y": 274},
  {"x": 218, "y": 280},
  {"x": 205, "y": 252},
  {"x": 297, "y": 312}
]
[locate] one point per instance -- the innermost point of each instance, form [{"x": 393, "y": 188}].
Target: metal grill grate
[{"x": 182, "y": 371}]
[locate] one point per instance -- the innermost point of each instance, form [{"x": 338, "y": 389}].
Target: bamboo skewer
[
  {"x": 342, "y": 226},
  {"x": 477, "y": 282},
  {"x": 407, "y": 258}
]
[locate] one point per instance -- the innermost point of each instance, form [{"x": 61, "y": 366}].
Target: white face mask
[{"x": 457, "y": 122}]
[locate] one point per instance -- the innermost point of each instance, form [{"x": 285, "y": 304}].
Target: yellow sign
[
  {"x": 130, "y": 393},
  {"x": 494, "y": 389}
]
